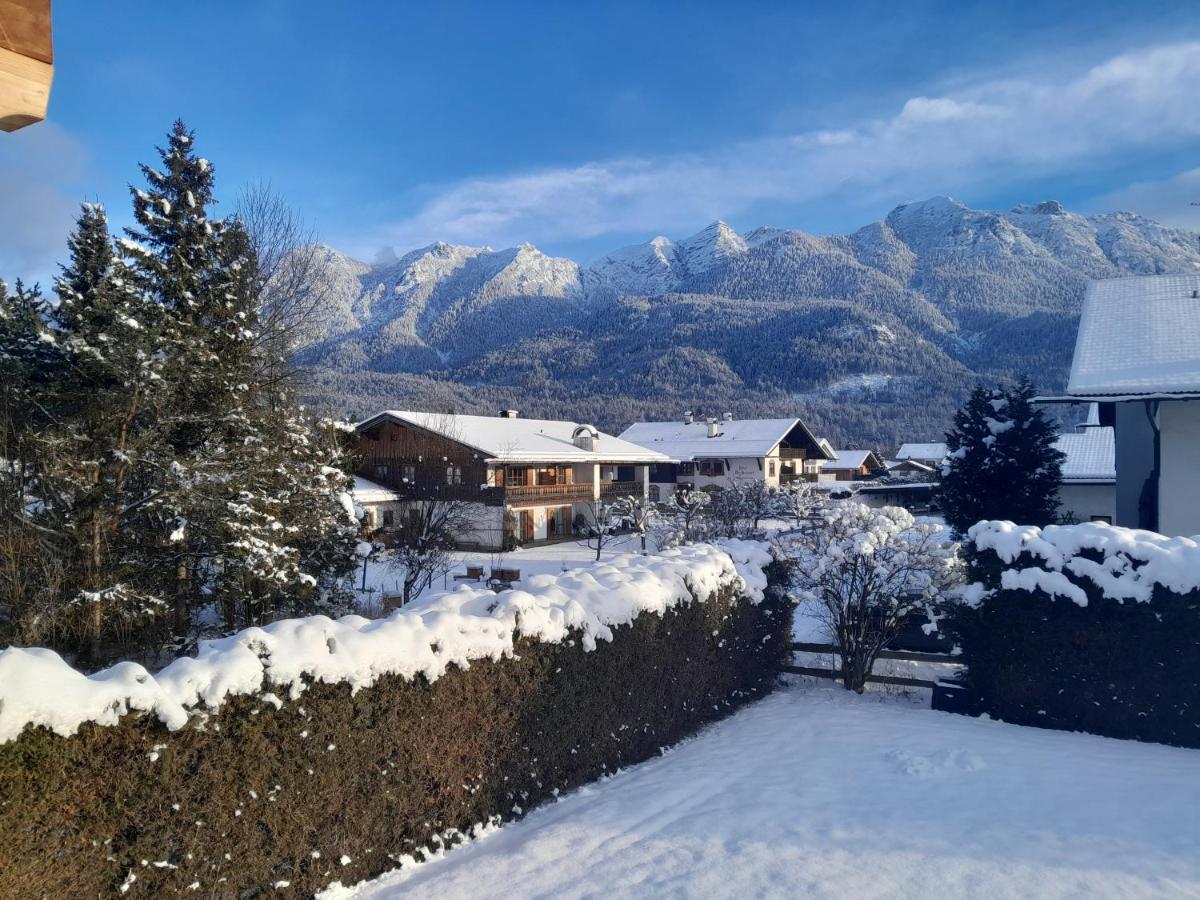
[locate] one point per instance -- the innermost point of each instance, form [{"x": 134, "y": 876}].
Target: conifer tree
[
  {"x": 1001, "y": 461},
  {"x": 111, "y": 399}
]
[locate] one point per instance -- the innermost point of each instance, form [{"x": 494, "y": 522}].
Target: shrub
[
  {"x": 1084, "y": 627},
  {"x": 258, "y": 793}
]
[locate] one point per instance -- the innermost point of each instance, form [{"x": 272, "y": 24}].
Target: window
[
  {"x": 1107, "y": 520},
  {"x": 389, "y": 517},
  {"x": 381, "y": 472},
  {"x": 453, "y": 475},
  {"x": 771, "y": 468},
  {"x": 687, "y": 468},
  {"x": 654, "y": 493},
  {"x": 408, "y": 472},
  {"x": 516, "y": 476},
  {"x": 712, "y": 467}
]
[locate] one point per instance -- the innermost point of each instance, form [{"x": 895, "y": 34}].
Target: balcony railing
[
  {"x": 576, "y": 492},
  {"x": 548, "y": 492}
]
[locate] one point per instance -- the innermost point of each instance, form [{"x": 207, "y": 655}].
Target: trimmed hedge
[
  {"x": 1124, "y": 670},
  {"x": 237, "y": 803}
]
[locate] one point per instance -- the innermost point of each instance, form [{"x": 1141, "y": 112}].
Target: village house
[
  {"x": 911, "y": 468},
  {"x": 712, "y": 453},
  {"x": 1087, "y": 492},
  {"x": 527, "y": 479},
  {"x": 852, "y": 465},
  {"x": 1137, "y": 356},
  {"x": 928, "y": 454}
]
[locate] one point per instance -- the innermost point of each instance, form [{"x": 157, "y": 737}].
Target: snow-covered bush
[
  {"x": 279, "y": 751},
  {"x": 682, "y": 519},
  {"x": 1086, "y": 627},
  {"x": 868, "y": 570}
]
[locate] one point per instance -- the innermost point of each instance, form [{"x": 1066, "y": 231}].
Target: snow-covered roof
[
  {"x": 909, "y": 463},
  {"x": 1138, "y": 336},
  {"x": 736, "y": 438},
  {"x": 1091, "y": 455},
  {"x": 935, "y": 451},
  {"x": 849, "y": 459},
  {"x": 521, "y": 440},
  {"x": 365, "y": 491}
]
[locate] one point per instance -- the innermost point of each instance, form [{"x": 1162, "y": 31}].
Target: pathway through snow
[{"x": 816, "y": 793}]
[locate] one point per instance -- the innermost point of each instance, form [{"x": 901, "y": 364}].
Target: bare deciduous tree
[
  {"x": 868, "y": 570},
  {"x": 635, "y": 514},
  {"x": 426, "y": 541},
  {"x": 290, "y": 277}
]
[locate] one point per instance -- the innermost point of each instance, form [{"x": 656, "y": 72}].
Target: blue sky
[{"x": 395, "y": 124}]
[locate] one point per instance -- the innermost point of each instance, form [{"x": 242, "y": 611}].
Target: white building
[
  {"x": 530, "y": 479},
  {"x": 1088, "y": 491},
  {"x": 929, "y": 454},
  {"x": 1138, "y": 356},
  {"x": 716, "y": 453},
  {"x": 852, "y": 465}
]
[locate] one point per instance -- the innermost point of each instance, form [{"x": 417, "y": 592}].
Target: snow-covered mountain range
[{"x": 933, "y": 296}]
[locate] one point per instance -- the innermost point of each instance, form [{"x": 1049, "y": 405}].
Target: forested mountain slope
[{"x": 875, "y": 336}]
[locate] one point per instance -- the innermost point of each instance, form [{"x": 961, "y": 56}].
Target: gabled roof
[
  {"x": 913, "y": 464},
  {"x": 1091, "y": 455},
  {"x": 518, "y": 440},
  {"x": 853, "y": 459},
  {"x": 737, "y": 438},
  {"x": 936, "y": 450},
  {"x": 366, "y": 491},
  {"x": 1138, "y": 336}
]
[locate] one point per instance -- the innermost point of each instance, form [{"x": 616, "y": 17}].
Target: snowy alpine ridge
[
  {"x": 906, "y": 311},
  {"x": 37, "y": 687}
]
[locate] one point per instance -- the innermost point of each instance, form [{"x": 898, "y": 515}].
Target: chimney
[
  {"x": 728, "y": 417},
  {"x": 687, "y": 417},
  {"x": 508, "y": 413},
  {"x": 714, "y": 430}
]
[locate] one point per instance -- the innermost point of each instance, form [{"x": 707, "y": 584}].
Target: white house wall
[
  {"x": 1085, "y": 502},
  {"x": 1179, "y": 462}
]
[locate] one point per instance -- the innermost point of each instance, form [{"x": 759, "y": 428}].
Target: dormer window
[{"x": 585, "y": 437}]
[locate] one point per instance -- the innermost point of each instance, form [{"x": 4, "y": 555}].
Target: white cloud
[
  {"x": 979, "y": 137},
  {"x": 40, "y": 168},
  {"x": 1175, "y": 201}
]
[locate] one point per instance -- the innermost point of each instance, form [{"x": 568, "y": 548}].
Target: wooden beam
[
  {"x": 26, "y": 62},
  {"x": 24, "y": 90}
]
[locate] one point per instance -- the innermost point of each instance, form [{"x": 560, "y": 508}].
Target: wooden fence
[{"x": 899, "y": 680}]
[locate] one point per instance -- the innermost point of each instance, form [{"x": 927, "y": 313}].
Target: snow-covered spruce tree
[
  {"x": 1001, "y": 461},
  {"x": 868, "y": 570},
  {"x": 33, "y": 541},
  {"x": 110, "y": 396},
  {"x": 252, "y": 512}
]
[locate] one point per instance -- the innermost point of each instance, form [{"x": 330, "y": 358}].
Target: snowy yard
[
  {"x": 549, "y": 559},
  {"x": 817, "y": 793}
]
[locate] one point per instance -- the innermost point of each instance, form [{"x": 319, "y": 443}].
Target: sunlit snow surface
[{"x": 816, "y": 793}]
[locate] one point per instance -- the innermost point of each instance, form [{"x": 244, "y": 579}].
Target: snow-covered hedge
[
  {"x": 274, "y": 753},
  {"x": 1084, "y": 627}
]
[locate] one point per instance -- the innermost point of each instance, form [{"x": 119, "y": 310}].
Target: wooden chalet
[{"x": 531, "y": 479}]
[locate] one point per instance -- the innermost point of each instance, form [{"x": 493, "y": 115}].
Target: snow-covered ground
[
  {"x": 813, "y": 792},
  {"x": 545, "y": 559}
]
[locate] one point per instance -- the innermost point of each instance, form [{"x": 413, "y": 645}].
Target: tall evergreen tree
[
  {"x": 148, "y": 472},
  {"x": 1001, "y": 462}
]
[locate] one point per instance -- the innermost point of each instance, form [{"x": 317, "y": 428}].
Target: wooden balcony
[{"x": 516, "y": 493}]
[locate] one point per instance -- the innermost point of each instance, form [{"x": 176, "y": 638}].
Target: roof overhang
[{"x": 1116, "y": 398}]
